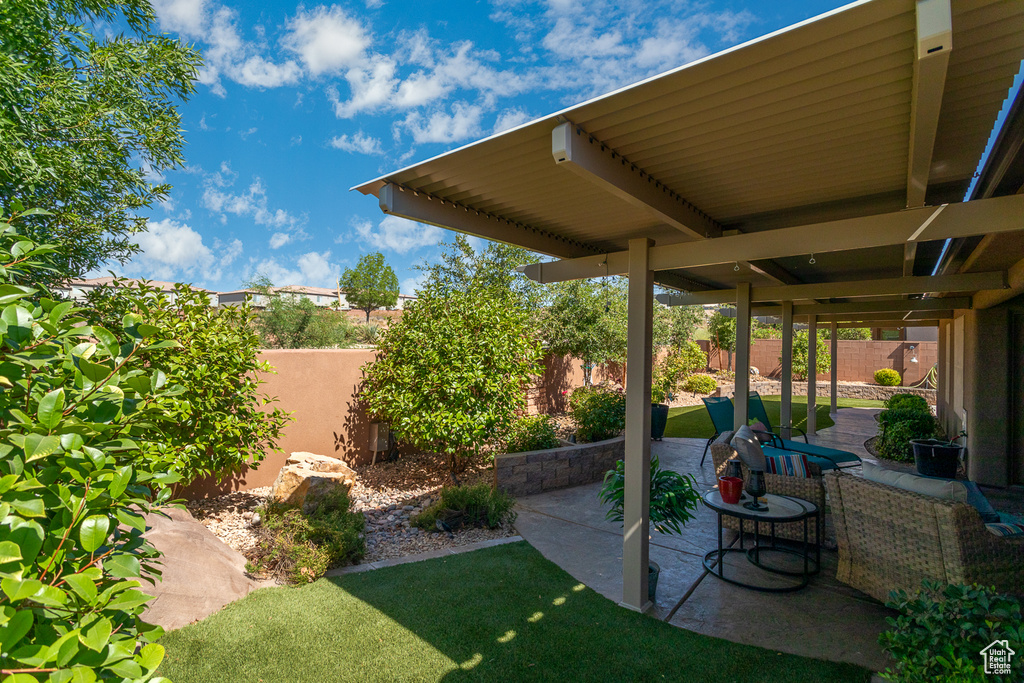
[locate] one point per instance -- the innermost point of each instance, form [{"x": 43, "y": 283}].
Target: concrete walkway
[{"x": 826, "y": 620}]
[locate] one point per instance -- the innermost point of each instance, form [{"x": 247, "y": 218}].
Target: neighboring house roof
[
  {"x": 303, "y": 289},
  {"x": 162, "y": 285}
]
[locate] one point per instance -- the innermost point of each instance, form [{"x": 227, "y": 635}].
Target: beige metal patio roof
[{"x": 863, "y": 111}]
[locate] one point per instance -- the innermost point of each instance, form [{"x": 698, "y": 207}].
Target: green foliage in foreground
[
  {"x": 940, "y": 632},
  {"x": 599, "y": 413},
  {"x": 81, "y": 459},
  {"x": 500, "y": 614},
  {"x": 531, "y": 433},
  {"x": 300, "y": 548},
  {"x": 451, "y": 374},
  {"x": 693, "y": 422},
  {"x": 477, "y": 505}
]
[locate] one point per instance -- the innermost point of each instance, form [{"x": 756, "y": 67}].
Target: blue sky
[{"x": 297, "y": 103}]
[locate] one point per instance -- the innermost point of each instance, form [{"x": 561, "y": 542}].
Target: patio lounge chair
[
  {"x": 838, "y": 458},
  {"x": 720, "y": 409}
]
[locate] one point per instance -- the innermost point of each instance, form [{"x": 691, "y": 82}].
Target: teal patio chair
[
  {"x": 720, "y": 409},
  {"x": 828, "y": 458}
]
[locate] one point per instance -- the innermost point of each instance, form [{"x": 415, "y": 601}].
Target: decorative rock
[
  {"x": 306, "y": 478},
  {"x": 256, "y": 519}
]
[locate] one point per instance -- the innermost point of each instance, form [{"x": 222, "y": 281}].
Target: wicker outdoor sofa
[
  {"x": 891, "y": 539},
  {"x": 810, "y": 488}
]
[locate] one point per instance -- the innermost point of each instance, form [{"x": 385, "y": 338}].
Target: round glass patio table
[{"x": 781, "y": 509}]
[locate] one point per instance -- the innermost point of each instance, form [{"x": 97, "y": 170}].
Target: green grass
[
  {"x": 499, "y": 614},
  {"x": 693, "y": 421}
]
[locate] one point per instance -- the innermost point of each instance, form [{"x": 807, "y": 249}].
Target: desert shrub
[
  {"x": 898, "y": 426},
  {"x": 368, "y": 333},
  {"x": 801, "y": 345},
  {"x": 451, "y": 374},
  {"x": 599, "y": 413},
  {"x": 888, "y": 377},
  {"x": 300, "y": 548},
  {"x": 82, "y": 458},
  {"x": 700, "y": 383},
  {"x": 531, "y": 433},
  {"x": 476, "y": 505},
  {"x": 221, "y": 422},
  {"x": 907, "y": 402},
  {"x": 941, "y": 630},
  {"x": 292, "y": 321}
]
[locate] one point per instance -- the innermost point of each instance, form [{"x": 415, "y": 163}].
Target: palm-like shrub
[{"x": 674, "y": 497}]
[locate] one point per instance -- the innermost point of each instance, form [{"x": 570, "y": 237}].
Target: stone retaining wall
[
  {"x": 843, "y": 390},
  {"x": 523, "y": 474}
]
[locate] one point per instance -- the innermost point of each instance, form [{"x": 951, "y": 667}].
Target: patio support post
[
  {"x": 812, "y": 374},
  {"x": 786, "y": 412},
  {"x": 834, "y": 329},
  {"x": 636, "y": 506},
  {"x": 742, "y": 383}
]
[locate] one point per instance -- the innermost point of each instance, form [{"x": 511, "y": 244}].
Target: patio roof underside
[{"x": 807, "y": 125}]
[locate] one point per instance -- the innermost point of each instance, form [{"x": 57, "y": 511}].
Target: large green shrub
[
  {"x": 599, "y": 413},
  {"x": 222, "y": 421},
  {"x": 898, "y": 426},
  {"x": 451, "y": 374},
  {"x": 801, "y": 344},
  {"x": 907, "y": 402},
  {"x": 82, "y": 458},
  {"x": 531, "y": 433},
  {"x": 477, "y": 505},
  {"x": 300, "y": 548},
  {"x": 888, "y": 377},
  {"x": 700, "y": 383},
  {"x": 297, "y": 323},
  {"x": 941, "y": 630}
]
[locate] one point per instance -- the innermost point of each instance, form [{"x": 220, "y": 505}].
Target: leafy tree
[
  {"x": 587, "y": 320},
  {"x": 684, "y": 322},
  {"x": 823, "y": 358},
  {"x": 81, "y": 460},
  {"x": 722, "y": 330},
  {"x": 221, "y": 422},
  {"x": 372, "y": 284},
  {"x": 86, "y": 123},
  {"x": 760, "y": 330},
  {"x": 849, "y": 333},
  {"x": 461, "y": 269},
  {"x": 451, "y": 374}
]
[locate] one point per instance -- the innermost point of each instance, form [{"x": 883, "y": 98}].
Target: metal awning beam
[
  {"x": 934, "y": 44},
  {"x": 965, "y": 282},
  {"x": 984, "y": 216},
  {"x": 424, "y": 208},
  {"x": 895, "y": 317},
  {"x": 576, "y": 150},
  {"x": 869, "y": 307}
]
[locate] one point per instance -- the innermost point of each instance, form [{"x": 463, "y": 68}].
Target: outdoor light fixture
[{"x": 913, "y": 354}]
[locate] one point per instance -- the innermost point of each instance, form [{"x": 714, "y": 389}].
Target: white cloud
[
  {"x": 312, "y": 269},
  {"x": 411, "y": 285},
  {"x": 279, "y": 239},
  {"x": 510, "y": 118},
  {"x": 183, "y": 16},
  {"x": 399, "y": 234},
  {"x": 371, "y": 87},
  {"x": 326, "y": 40},
  {"x": 358, "y": 143},
  {"x": 203, "y": 125},
  {"x": 462, "y": 123},
  {"x": 244, "y": 134},
  {"x": 172, "y": 250},
  {"x": 253, "y": 203}
]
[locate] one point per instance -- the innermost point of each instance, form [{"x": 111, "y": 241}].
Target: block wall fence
[{"x": 320, "y": 387}]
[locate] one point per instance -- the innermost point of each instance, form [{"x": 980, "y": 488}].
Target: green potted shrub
[
  {"x": 660, "y": 393},
  {"x": 674, "y": 499}
]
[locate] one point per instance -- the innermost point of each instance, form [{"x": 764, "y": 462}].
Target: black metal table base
[{"x": 753, "y": 554}]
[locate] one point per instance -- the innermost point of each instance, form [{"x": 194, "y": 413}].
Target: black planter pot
[
  {"x": 653, "y": 570},
  {"x": 936, "y": 458},
  {"x": 659, "y": 418}
]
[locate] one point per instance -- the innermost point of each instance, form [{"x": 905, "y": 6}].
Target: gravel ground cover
[{"x": 388, "y": 494}]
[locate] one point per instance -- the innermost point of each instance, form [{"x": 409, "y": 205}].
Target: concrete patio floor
[{"x": 826, "y": 620}]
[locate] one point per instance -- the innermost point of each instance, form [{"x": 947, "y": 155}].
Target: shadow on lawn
[{"x": 506, "y": 613}]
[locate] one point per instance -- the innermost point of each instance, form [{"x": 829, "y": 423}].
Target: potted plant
[
  {"x": 661, "y": 387},
  {"x": 937, "y": 458},
  {"x": 674, "y": 499}
]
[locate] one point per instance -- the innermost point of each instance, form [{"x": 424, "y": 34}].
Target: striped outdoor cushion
[
  {"x": 788, "y": 465},
  {"x": 1005, "y": 529}
]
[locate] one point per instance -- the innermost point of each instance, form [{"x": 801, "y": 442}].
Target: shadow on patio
[{"x": 826, "y": 620}]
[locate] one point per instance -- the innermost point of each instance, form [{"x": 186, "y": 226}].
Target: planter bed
[{"x": 524, "y": 474}]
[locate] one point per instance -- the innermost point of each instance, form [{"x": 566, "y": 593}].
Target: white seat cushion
[{"x": 944, "y": 489}]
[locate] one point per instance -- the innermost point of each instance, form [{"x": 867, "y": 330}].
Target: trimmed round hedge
[{"x": 888, "y": 377}]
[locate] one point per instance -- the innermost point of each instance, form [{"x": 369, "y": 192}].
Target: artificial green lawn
[
  {"x": 693, "y": 421},
  {"x": 499, "y": 614}
]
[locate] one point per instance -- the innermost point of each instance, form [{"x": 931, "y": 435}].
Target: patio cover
[{"x": 823, "y": 164}]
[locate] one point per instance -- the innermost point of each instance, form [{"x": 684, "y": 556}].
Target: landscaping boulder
[{"x": 307, "y": 477}]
